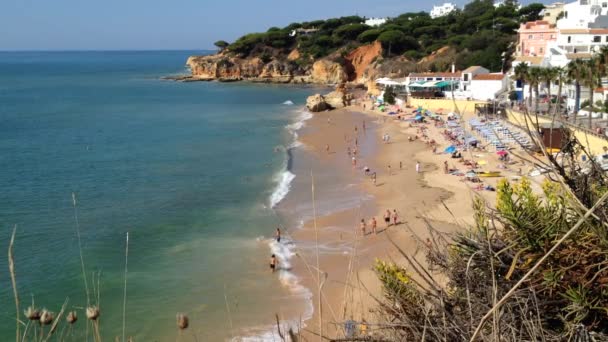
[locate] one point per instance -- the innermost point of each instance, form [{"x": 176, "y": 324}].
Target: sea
[{"x": 166, "y": 191}]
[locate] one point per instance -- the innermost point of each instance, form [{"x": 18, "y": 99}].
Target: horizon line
[{"x": 100, "y": 50}]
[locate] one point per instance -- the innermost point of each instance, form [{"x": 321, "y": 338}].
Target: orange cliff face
[
  {"x": 361, "y": 62},
  {"x": 222, "y": 67}
]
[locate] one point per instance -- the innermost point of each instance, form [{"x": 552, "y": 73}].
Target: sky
[{"x": 168, "y": 24}]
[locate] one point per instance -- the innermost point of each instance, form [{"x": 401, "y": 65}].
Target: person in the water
[
  {"x": 277, "y": 235},
  {"x": 274, "y": 263}
]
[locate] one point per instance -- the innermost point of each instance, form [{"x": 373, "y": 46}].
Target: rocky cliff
[{"x": 354, "y": 67}]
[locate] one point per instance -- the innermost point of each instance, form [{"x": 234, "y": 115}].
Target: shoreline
[{"x": 351, "y": 288}]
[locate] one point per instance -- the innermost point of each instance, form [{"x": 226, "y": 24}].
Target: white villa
[
  {"x": 440, "y": 11},
  {"x": 375, "y": 21}
]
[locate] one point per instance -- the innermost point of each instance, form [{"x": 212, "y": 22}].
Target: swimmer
[
  {"x": 274, "y": 263},
  {"x": 277, "y": 234}
]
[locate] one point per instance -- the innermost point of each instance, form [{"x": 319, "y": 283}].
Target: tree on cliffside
[
  {"x": 389, "y": 95},
  {"x": 221, "y": 44}
]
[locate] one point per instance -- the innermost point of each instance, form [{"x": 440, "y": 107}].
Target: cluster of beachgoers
[{"x": 415, "y": 146}]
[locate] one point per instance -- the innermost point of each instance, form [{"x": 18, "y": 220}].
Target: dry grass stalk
[
  {"x": 124, "y": 297},
  {"x": 84, "y": 274},
  {"x": 11, "y": 267},
  {"x": 319, "y": 283}
]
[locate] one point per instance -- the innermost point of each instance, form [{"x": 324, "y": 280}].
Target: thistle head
[
  {"x": 71, "y": 317},
  {"x": 93, "y": 313},
  {"x": 46, "y": 317},
  {"x": 32, "y": 313},
  {"x": 182, "y": 321}
]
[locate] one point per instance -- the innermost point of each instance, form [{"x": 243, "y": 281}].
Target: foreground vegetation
[
  {"x": 481, "y": 34},
  {"x": 534, "y": 268}
]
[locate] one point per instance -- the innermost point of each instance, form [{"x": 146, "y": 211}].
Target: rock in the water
[{"x": 316, "y": 103}]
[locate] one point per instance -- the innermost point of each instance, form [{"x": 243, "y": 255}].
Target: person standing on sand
[
  {"x": 327, "y": 148},
  {"x": 445, "y": 167},
  {"x": 400, "y": 165},
  {"x": 374, "y": 225},
  {"x": 374, "y": 178},
  {"x": 277, "y": 234},
  {"x": 363, "y": 226},
  {"x": 274, "y": 263},
  {"x": 363, "y": 125},
  {"x": 395, "y": 217},
  {"x": 389, "y": 170},
  {"x": 387, "y": 218},
  {"x": 417, "y": 167},
  {"x": 354, "y": 162}
]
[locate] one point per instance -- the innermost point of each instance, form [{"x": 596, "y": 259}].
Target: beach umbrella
[
  {"x": 502, "y": 153},
  {"x": 450, "y": 149},
  {"x": 482, "y": 162}
]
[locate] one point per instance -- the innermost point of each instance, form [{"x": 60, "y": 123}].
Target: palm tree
[
  {"x": 591, "y": 79},
  {"x": 575, "y": 74},
  {"x": 560, "y": 76},
  {"x": 603, "y": 60},
  {"x": 534, "y": 80},
  {"x": 521, "y": 74},
  {"x": 548, "y": 76}
]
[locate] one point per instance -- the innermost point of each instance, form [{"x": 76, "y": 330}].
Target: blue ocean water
[{"x": 187, "y": 169}]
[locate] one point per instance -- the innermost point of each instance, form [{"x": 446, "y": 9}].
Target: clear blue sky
[{"x": 167, "y": 24}]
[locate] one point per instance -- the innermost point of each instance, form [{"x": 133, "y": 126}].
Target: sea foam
[
  {"x": 284, "y": 251},
  {"x": 283, "y": 185},
  {"x": 285, "y": 177}
]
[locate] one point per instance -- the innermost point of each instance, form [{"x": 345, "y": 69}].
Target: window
[
  {"x": 548, "y": 14},
  {"x": 606, "y": 39},
  {"x": 569, "y": 39},
  {"x": 597, "y": 39},
  {"x": 552, "y": 36},
  {"x": 529, "y": 36},
  {"x": 466, "y": 78},
  {"x": 540, "y": 50},
  {"x": 604, "y": 4}
]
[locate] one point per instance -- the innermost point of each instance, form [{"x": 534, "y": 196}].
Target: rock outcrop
[
  {"x": 273, "y": 68},
  {"x": 337, "y": 99},
  {"x": 316, "y": 103},
  {"x": 328, "y": 72}
]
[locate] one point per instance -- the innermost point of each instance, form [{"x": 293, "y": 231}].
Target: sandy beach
[{"x": 349, "y": 288}]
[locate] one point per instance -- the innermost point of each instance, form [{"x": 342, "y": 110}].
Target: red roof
[
  {"x": 435, "y": 74},
  {"x": 489, "y": 77},
  {"x": 599, "y": 31}
]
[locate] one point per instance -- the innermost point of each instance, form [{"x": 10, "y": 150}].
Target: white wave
[
  {"x": 283, "y": 185},
  {"x": 295, "y": 126},
  {"x": 284, "y": 251},
  {"x": 288, "y": 103},
  {"x": 300, "y": 121}
]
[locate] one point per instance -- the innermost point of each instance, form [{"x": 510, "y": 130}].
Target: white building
[
  {"x": 582, "y": 14},
  {"x": 375, "y": 21},
  {"x": 475, "y": 83},
  {"x": 440, "y": 11},
  {"x": 501, "y": 3}
]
